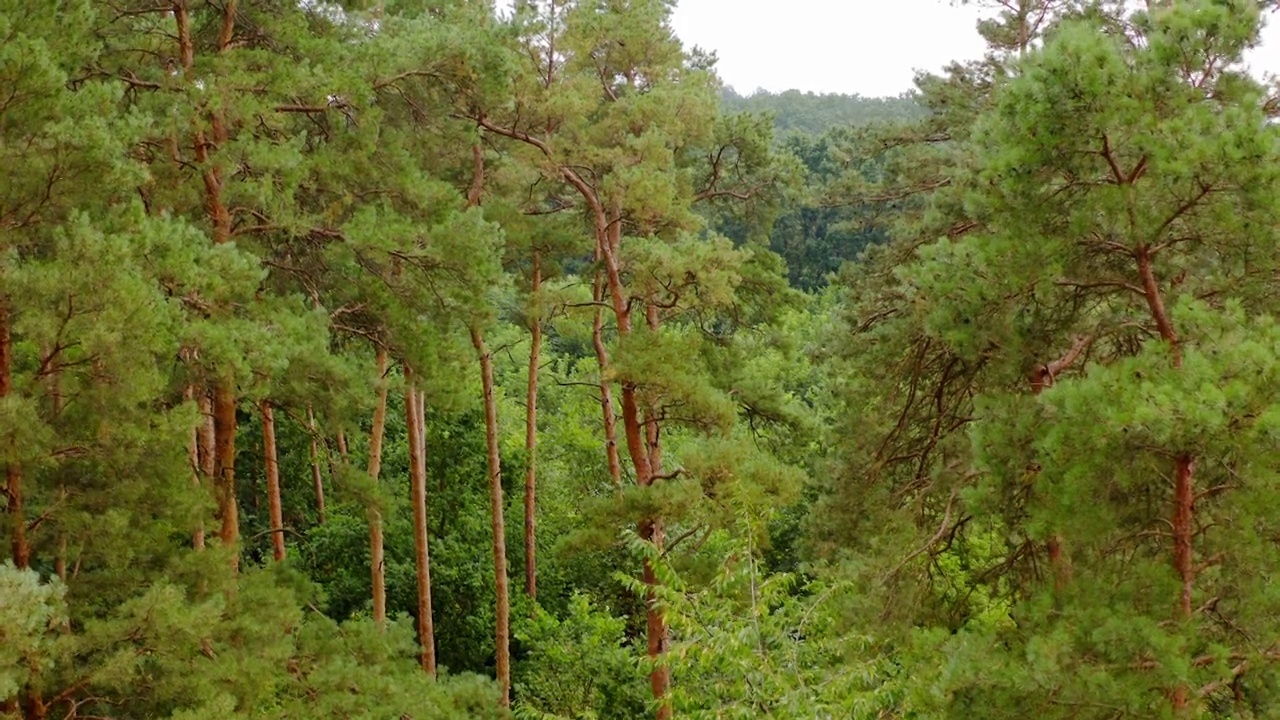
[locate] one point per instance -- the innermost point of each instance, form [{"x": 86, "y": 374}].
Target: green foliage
[
  {"x": 814, "y": 114},
  {"x": 579, "y": 666},
  {"x": 1017, "y": 459},
  {"x": 32, "y": 613}
]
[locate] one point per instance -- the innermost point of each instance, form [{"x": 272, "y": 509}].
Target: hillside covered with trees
[{"x": 436, "y": 360}]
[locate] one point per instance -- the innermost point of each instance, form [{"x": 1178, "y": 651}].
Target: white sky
[{"x": 868, "y": 47}]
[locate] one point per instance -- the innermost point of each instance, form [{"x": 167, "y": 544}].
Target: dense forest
[{"x": 445, "y": 360}]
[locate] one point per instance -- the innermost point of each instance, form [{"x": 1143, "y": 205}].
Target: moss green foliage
[{"x": 967, "y": 401}]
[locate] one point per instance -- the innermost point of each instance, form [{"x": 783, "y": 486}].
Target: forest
[{"x": 452, "y": 359}]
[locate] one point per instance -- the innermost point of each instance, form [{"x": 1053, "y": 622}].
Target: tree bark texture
[
  {"x": 531, "y": 440},
  {"x": 275, "y": 508},
  {"x": 503, "y": 625},
  {"x": 224, "y": 462},
  {"x": 415, "y": 424},
  {"x": 606, "y": 388},
  {"x": 193, "y": 454},
  {"x": 317, "y": 479},
  {"x": 224, "y": 403},
  {"x": 377, "y": 558},
  {"x": 1184, "y": 493}
]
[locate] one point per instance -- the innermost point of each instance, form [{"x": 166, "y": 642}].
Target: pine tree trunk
[
  {"x": 34, "y": 707},
  {"x": 275, "y": 508},
  {"x": 1184, "y": 469},
  {"x": 653, "y": 532},
  {"x": 60, "y": 562},
  {"x": 422, "y": 553},
  {"x": 193, "y": 455},
  {"x": 531, "y": 441},
  {"x": 55, "y": 412},
  {"x": 206, "y": 440},
  {"x": 642, "y": 438},
  {"x": 224, "y": 463},
  {"x": 377, "y": 561},
  {"x": 21, "y": 550},
  {"x": 224, "y": 402},
  {"x": 317, "y": 480},
  {"x": 430, "y": 627},
  {"x": 503, "y": 628},
  {"x": 606, "y": 389},
  {"x": 211, "y": 172}
]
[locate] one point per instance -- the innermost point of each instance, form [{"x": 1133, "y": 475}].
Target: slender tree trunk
[
  {"x": 377, "y": 563},
  {"x": 421, "y": 548},
  {"x": 606, "y": 388},
  {"x": 34, "y": 707},
  {"x": 193, "y": 453},
  {"x": 21, "y": 549},
  {"x": 429, "y": 628},
  {"x": 275, "y": 508},
  {"x": 60, "y": 563},
  {"x": 56, "y": 404},
  {"x": 642, "y": 436},
  {"x": 317, "y": 480},
  {"x": 224, "y": 402},
  {"x": 210, "y": 170},
  {"x": 206, "y": 437},
  {"x": 654, "y": 532},
  {"x": 224, "y": 462},
  {"x": 55, "y": 412},
  {"x": 503, "y": 628},
  {"x": 1184, "y": 469},
  {"x": 531, "y": 439}
]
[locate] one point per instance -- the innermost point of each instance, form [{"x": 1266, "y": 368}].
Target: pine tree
[{"x": 1119, "y": 201}]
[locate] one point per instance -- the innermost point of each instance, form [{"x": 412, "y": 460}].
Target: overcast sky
[{"x": 869, "y": 47}]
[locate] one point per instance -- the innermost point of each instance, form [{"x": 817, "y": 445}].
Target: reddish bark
[
  {"x": 1184, "y": 468},
  {"x": 608, "y": 232},
  {"x": 224, "y": 402},
  {"x": 206, "y": 436},
  {"x": 422, "y": 552},
  {"x": 193, "y": 454},
  {"x": 637, "y": 432},
  {"x": 224, "y": 464},
  {"x": 1155, "y": 303},
  {"x": 531, "y": 441},
  {"x": 55, "y": 411},
  {"x": 275, "y": 509},
  {"x": 606, "y": 388},
  {"x": 652, "y": 531},
  {"x": 377, "y": 563},
  {"x": 503, "y": 625},
  {"x": 60, "y": 562},
  {"x": 206, "y": 440},
  {"x": 210, "y": 171}
]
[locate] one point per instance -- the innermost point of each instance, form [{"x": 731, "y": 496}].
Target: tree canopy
[{"x": 452, "y": 360}]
